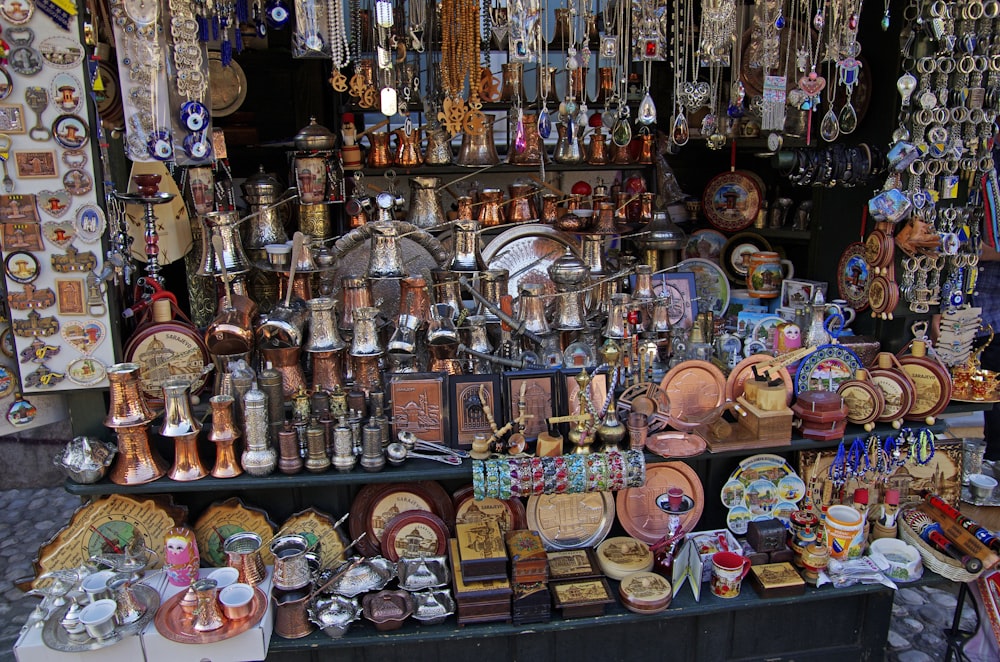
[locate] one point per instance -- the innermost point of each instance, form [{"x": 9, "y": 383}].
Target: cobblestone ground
[{"x": 28, "y": 517}]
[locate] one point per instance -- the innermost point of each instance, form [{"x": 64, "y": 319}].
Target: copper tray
[
  {"x": 527, "y": 251},
  {"x": 744, "y": 371},
  {"x": 170, "y": 621},
  {"x": 414, "y": 534},
  {"x": 509, "y": 513},
  {"x": 637, "y": 509},
  {"x": 676, "y": 444},
  {"x": 694, "y": 388}
]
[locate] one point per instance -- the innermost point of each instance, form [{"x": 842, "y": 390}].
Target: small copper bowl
[
  {"x": 575, "y": 221},
  {"x": 237, "y": 601},
  {"x": 388, "y": 609}
]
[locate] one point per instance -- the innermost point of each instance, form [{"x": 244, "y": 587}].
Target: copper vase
[
  {"x": 224, "y": 435},
  {"x": 128, "y": 407},
  {"x": 379, "y": 156},
  {"x": 467, "y": 256},
  {"x": 367, "y": 373},
  {"x": 137, "y": 462},
  {"x": 647, "y": 148},
  {"x": 286, "y": 361},
  {"x": 479, "y": 149},
  {"x": 605, "y": 84},
  {"x": 491, "y": 208},
  {"x": 620, "y": 154}
]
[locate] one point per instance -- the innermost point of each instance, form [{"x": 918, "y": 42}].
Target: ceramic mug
[
  {"x": 765, "y": 271},
  {"x": 842, "y": 308},
  {"x": 728, "y": 571}
]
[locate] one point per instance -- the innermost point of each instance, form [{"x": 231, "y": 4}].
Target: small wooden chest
[
  {"x": 481, "y": 550},
  {"x": 478, "y": 601},
  {"x": 529, "y": 563}
]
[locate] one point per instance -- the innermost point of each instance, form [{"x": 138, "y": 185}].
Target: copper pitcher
[
  {"x": 620, "y": 154},
  {"x": 438, "y": 145},
  {"x": 137, "y": 462},
  {"x": 597, "y": 151},
  {"x": 328, "y": 369},
  {"x": 446, "y": 288},
  {"x": 323, "y": 335},
  {"x": 533, "y": 151},
  {"x": 569, "y": 148},
  {"x": 242, "y": 552},
  {"x": 385, "y": 260},
  {"x": 366, "y": 341},
  {"x": 492, "y": 286},
  {"x": 128, "y": 406},
  {"x": 291, "y": 619},
  {"x": 647, "y": 148},
  {"x": 479, "y": 149},
  {"x": 286, "y": 360},
  {"x": 226, "y": 226},
  {"x": 521, "y": 207},
  {"x": 408, "y": 147},
  {"x": 491, "y": 208},
  {"x": 531, "y": 309},
  {"x": 379, "y": 156}
]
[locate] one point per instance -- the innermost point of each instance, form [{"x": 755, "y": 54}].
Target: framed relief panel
[
  {"x": 419, "y": 405},
  {"x": 471, "y": 400}
]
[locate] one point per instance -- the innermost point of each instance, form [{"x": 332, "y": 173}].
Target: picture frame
[
  {"x": 541, "y": 398},
  {"x": 796, "y": 292},
  {"x": 680, "y": 288},
  {"x": 35, "y": 164},
  {"x": 12, "y": 118},
  {"x": 70, "y": 296},
  {"x": 419, "y": 405},
  {"x": 467, "y": 411}
]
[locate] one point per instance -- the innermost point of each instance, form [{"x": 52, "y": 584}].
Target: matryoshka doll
[
  {"x": 181, "y": 560},
  {"x": 788, "y": 337}
]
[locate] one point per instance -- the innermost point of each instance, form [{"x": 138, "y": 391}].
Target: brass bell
[
  {"x": 225, "y": 225},
  {"x": 128, "y": 406},
  {"x": 386, "y": 257},
  {"x": 467, "y": 256}
]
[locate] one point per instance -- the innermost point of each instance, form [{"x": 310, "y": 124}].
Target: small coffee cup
[
  {"x": 236, "y": 601},
  {"x": 95, "y": 585},
  {"x": 279, "y": 255},
  {"x": 224, "y": 577},
  {"x": 728, "y": 571},
  {"x": 99, "y": 618}
]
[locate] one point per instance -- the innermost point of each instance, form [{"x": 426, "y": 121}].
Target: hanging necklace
[{"x": 340, "y": 55}]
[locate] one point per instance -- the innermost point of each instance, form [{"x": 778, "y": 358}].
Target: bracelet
[
  {"x": 636, "y": 462},
  {"x": 492, "y": 478},
  {"x": 504, "y": 470},
  {"x": 537, "y": 476},
  {"x": 577, "y": 465},
  {"x": 478, "y": 481}
]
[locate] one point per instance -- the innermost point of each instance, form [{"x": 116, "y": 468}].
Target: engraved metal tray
[
  {"x": 54, "y": 635},
  {"x": 424, "y": 573},
  {"x": 334, "y": 614},
  {"x": 433, "y": 607},
  {"x": 372, "y": 574}
]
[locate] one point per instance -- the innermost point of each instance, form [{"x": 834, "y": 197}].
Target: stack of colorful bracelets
[{"x": 504, "y": 478}]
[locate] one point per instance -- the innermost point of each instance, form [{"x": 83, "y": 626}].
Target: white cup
[
  {"x": 236, "y": 599},
  {"x": 95, "y": 585},
  {"x": 98, "y": 618},
  {"x": 224, "y": 577}
]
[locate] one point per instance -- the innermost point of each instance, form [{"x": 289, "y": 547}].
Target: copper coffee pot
[
  {"x": 379, "y": 156},
  {"x": 408, "y": 146},
  {"x": 357, "y": 293},
  {"x": 521, "y": 208},
  {"x": 180, "y": 425},
  {"x": 224, "y": 435},
  {"x": 491, "y": 208},
  {"x": 231, "y": 332},
  {"x": 129, "y": 416}
]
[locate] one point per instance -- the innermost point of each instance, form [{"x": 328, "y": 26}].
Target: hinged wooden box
[
  {"x": 776, "y": 580},
  {"x": 529, "y": 562},
  {"x": 584, "y": 597},
  {"x": 531, "y": 604},
  {"x": 481, "y": 550},
  {"x": 573, "y": 564},
  {"x": 478, "y": 601}
]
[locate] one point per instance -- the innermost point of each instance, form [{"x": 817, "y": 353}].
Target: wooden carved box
[
  {"x": 481, "y": 550},
  {"x": 529, "y": 563},
  {"x": 478, "y": 602}
]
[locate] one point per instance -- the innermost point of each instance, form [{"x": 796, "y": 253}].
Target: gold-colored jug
[
  {"x": 408, "y": 147},
  {"x": 379, "y": 156}
]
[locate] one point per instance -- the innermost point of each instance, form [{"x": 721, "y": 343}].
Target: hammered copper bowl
[
  {"x": 575, "y": 221},
  {"x": 388, "y": 609}
]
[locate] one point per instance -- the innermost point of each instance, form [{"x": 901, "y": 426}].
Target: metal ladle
[{"x": 397, "y": 453}]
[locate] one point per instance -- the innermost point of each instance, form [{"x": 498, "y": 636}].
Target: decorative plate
[
  {"x": 731, "y": 201},
  {"x": 762, "y": 330},
  {"x": 172, "y": 622},
  {"x": 421, "y": 252},
  {"x": 826, "y": 369},
  {"x": 571, "y": 521},
  {"x": 898, "y": 391},
  {"x": 853, "y": 274},
  {"x": 759, "y": 486},
  {"x": 676, "y": 444},
  {"x": 108, "y": 527},
  {"x": 864, "y": 401},
  {"x": 526, "y": 252},
  {"x": 221, "y": 520},
  {"x": 706, "y": 244},
  {"x": 710, "y": 282},
  {"x": 319, "y": 529},
  {"x": 695, "y": 388},
  {"x": 637, "y": 509},
  {"x": 744, "y": 243},
  {"x": 376, "y": 504},
  {"x": 414, "y": 534},
  {"x": 649, "y": 399},
  {"x": 508, "y": 513},
  {"x": 228, "y": 85},
  {"x": 743, "y": 372}
]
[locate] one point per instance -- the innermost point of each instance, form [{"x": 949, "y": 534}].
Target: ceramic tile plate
[
  {"x": 571, "y": 521},
  {"x": 744, "y": 372},
  {"x": 711, "y": 284},
  {"x": 826, "y": 369},
  {"x": 762, "y": 486},
  {"x": 637, "y": 509}
]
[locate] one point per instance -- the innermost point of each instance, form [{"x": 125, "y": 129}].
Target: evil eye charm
[
  {"x": 197, "y": 147},
  {"x": 160, "y": 146},
  {"x": 276, "y": 13},
  {"x": 194, "y": 115}
]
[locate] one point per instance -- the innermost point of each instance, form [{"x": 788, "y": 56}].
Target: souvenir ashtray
[
  {"x": 369, "y": 575},
  {"x": 433, "y": 607},
  {"x": 422, "y": 573},
  {"x": 334, "y": 614}
]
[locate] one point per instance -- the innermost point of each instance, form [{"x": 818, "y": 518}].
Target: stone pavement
[{"x": 29, "y": 517}]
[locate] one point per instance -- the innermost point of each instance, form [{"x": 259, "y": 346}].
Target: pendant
[
  {"x": 21, "y": 412},
  {"x": 885, "y": 21},
  {"x": 681, "y": 131},
  {"x": 544, "y": 123},
  {"x": 621, "y": 133},
  {"x": 647, "y": 110},
  {"x": 194, "y": 115},
  {"x": 520, "y": 139},
  {"x": 829, "y": 128},
  {"x": 905, "y": 86},
  {"x": 848, "y": 118},
  {"x": 388, "y": 101}
]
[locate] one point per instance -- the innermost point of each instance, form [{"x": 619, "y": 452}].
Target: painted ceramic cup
[
  {"x": 728, "y": 571},
  {"x": 765, "y": 271}
]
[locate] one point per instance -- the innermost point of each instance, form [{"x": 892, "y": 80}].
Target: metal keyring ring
[
  {"x": 959, "y": 114},
  {"x": 982, "y": 63},
  {"x": 941, "y": 115},
  {"x": 974, "y": 10},
  {"x": 926, "y": 65},
  {"x": 935, "y": 167},
  {"x": 976, "y": 116},
  {"x": 946, "y": 65},
  {"x": 917, "y": 168},
  {"x": 939, "y": 9},
  {"x": 991, "y": 9}
]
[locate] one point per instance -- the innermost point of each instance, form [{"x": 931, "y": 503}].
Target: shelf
[
  {"x": 500, "y": 168},
  {"x": 363, "y": 633},
  {"x": 417, "y": 469},
  {"x": 784, "y": 234}
]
